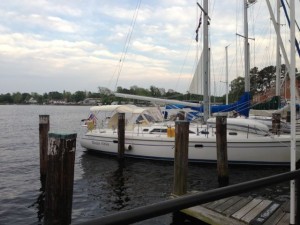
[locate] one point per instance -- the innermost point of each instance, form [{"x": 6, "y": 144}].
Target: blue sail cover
[{"x": 242, "y": 106}]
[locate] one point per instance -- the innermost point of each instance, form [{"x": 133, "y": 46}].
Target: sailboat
[{"x": 148, "y": 137}]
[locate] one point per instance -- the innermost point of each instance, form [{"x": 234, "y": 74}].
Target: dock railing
[{"x": 190, "y": 200}]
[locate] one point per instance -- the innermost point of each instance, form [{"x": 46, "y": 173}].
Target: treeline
[
  {"x": 162, "y": 93},
  {"x": 46, "y": 98},
  {"x": 260, "y": 81},
  {"x": 104, "y": 96}
]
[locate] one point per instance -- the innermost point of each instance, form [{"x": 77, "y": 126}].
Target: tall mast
[
  {"x": 226, "y": 50},
  {"x": 293, "y": 110},
  {"x": 205, "y": 63},
  {"x": 246, "y": 48},
  {"x": 284, "y": 54},
  {"x": 278, "y": 60}
]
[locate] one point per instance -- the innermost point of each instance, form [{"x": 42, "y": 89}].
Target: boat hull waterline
[{"x": 272, "y": 150}]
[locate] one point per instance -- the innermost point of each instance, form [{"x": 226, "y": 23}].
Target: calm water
[{"x": 101, "y": 186}]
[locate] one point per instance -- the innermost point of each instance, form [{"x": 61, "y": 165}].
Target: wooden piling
[
  {"x": 60, "y": 178},
  {"x": 222, "y": 159},
  {"x": 181, "y": 157},
  {"x": 276, "y": 123},
  {"x": 121, "y": 135},
  {"x": 43, "y": 138}
]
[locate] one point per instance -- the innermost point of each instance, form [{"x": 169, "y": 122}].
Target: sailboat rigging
[{"x": 147, "y": 136}]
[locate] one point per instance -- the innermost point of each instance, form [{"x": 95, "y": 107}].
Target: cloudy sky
[{"x": 57, "y": 45}]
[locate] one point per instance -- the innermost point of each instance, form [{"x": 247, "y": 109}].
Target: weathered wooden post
[
  {"x": 276, "y": 123},
  {"x": 60, "y": 178},
  {"x": 181, "y": 157},
  {"x": 43, "y": 137},
  {"x": 222, "y": 159},
  {"x": 121, "y": 135}
]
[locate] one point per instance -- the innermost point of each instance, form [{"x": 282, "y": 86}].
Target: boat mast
[
  {"x": 205, "y": 63},
  {"x": 278, "y": 60},
  {"x": 284, "y": 54},
  {"x": 293, "y": 110},
  {"x": 246, "y": 48},
  {"x": 226, "y": 51}
]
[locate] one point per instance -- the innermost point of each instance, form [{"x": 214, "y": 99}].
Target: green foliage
[
  {"x": 260, "y": 80},
  {"x": 237, "y": 89},
  {"x": 79, "y": 96}
]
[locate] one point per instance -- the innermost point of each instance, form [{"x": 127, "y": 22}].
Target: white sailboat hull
[{"x": 241, "y": 149}]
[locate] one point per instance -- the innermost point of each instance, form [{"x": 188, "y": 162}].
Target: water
[{"x": 101, "y": 185}]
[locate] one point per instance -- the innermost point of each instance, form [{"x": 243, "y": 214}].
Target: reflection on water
[
  {"x": 118, "y": 181},
  {"x": 39, "y": 204},
  {"x": 112, "y": 186}
]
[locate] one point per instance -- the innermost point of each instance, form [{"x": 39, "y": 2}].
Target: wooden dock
[{"x": 239, "y": 210}]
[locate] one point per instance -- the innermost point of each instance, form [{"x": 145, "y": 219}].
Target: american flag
[
  {"x": 92, "y": 117},
  {"x": 199, "y": 25}
]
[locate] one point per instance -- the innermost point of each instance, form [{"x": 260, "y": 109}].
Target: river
[{"x": 101, "y": 185}]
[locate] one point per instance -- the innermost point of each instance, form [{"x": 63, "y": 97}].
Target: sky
[{"x": 80, "y": 45}]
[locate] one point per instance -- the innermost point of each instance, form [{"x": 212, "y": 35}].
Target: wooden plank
[
  {"x": 285, "y": 220},
  {"x": 286, "y": 207},
  {"x": 265, "y": 214},
  {"x": 237, "y": 206},
  {"x": 214, "y": 204},
  {"x": 222, "y": 207},
  {"x": 210, "y": 217},
  {"x": 256, "y": 210},
  {"x": 275, "y": 217},
  {"x": 244, "y": 210}
]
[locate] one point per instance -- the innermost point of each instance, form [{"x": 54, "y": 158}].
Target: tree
[
  {"x": 45, "y": 98},
  {"x": 104, "y": 91},
  {"x": 237, "y": 89},
  {"x": 6, "y": 98},
  {"x": 54, "y": 95},
  {"x": 154, "y": 91},
  {"x": 139, "y": 91},
  {"x": 67, "y": 96},
  {"x": 17, "y": 97},
  {"x": 79, "y": 96}
]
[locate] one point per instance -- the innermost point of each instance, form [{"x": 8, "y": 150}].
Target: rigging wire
[
  {"x": 239, "y": 9},
  {"x": 295, "y": 20},
  {"x": 288, "y": 20},
  {"x": 127, "y": 44},
  {"x": 184, "y": 63},
  {"x": 188, "y": 51},
  {"x": 197, "y": 58}
]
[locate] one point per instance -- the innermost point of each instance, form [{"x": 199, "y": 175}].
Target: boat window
[
  {"x": 232, "y": 133},
  {"x": 139, "y": 119},
  {"x": 157, "y": 130},
  {"x": 145, "y": 130},
  {"x": 149, "y": 118}
]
